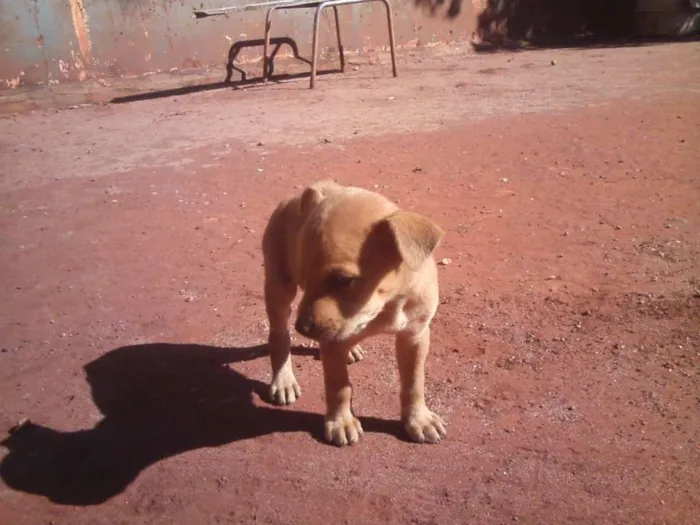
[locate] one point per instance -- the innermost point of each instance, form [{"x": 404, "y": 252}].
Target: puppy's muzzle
[{"x": 305, "y": 326}]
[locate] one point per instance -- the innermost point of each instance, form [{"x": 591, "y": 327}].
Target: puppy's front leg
[
  {"x": 341, "y": 426},
  {"x": 422, "y": 425},
  {"x": 284, "y": 389}
]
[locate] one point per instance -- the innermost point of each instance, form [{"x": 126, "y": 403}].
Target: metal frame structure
[{"x": 319, "y": 6}]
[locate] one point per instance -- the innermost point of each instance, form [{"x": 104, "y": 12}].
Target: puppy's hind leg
[{"x": 284, "y": 389}]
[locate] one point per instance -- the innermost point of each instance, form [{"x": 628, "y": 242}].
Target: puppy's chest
[{"x": 393, "y": 317}]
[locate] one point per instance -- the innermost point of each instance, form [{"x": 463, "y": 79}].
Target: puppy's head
[{"x": 357, "y": 251}]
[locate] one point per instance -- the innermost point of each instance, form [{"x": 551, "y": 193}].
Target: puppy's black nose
[{"x": 305, "y": 326}]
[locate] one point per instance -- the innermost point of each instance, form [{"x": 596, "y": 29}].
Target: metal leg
[
  {"x": 317, "y": 18},
  {"x": 266, "y": 47},
  {"x": 340, "y": 42},
  {"x": 314, "y": 50},
  {"x": 392, "y": 45}
]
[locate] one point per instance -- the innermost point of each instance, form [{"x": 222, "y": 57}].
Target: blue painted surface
[
  {"x": 19, "y": 35},
  {"x": 55, "y": 25}
]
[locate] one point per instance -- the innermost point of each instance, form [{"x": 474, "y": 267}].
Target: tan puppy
[{"x": 365, "y": 268}]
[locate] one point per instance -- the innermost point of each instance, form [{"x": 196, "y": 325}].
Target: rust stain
[{"x": 77, "y": 9}]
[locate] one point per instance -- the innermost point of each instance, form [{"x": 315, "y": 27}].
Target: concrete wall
[{"x": 44, "y": 42}]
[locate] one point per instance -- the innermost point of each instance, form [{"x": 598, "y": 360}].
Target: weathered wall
[{"x": 50, "y": 41}]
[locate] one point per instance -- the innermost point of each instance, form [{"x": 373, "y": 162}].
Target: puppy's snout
[{"x": 305, "y": 325}]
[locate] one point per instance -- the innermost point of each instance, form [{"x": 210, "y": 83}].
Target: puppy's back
[{"x": 280, "y": 239}]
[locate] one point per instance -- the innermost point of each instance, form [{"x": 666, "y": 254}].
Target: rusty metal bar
[
  {"x": 392, "y": 42},
  {"x": 319, "y": 6},
  {"x": 203, "y": 13},
  {"x": 266, "y": 47},
  {"x": 341, "y": 50}
]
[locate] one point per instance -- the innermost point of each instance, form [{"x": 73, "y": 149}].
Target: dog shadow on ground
[{"x": 158, "y": 400}]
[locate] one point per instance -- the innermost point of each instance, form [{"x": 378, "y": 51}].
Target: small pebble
[{"x": 445, "y": 261}]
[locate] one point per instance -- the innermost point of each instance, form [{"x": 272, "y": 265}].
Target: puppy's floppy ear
[
  {"x": 416, "y": 237},
  {"x": 315, "y": 194}
]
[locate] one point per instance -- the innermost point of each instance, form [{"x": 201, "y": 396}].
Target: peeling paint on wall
[{"x": 82, "y": 33}]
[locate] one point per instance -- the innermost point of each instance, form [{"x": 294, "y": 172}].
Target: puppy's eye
[{"x": 341, "y": 280}]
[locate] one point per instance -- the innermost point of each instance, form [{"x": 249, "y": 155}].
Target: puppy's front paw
[
  {"x": 423, "y": 426},
  {"x": 356, "y": 354},
  {"x": 284, "y": 389},
  {"x": 344, "y": 429}
]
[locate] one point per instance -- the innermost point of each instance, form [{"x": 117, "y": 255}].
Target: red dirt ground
[{"x": 565, "y": 354}]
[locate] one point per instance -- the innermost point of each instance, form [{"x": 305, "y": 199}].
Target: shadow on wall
[
  {"x": 157, "y": 401},
  {"x": 509, "y": 24},
  {"x": 454, "y": 7},
  {"x": 505, "y": 23},
  {"x": 230, "y": 82}
]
